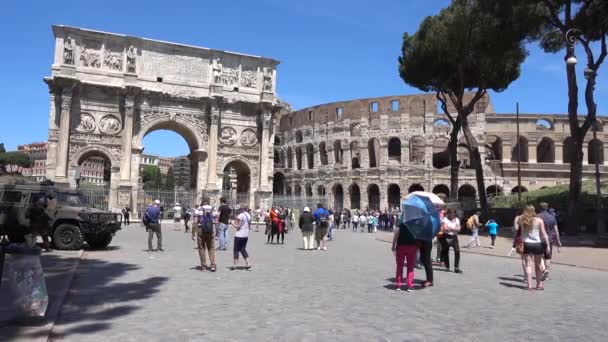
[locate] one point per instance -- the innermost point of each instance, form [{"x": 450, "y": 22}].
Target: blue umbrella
[{"x": 421, "y": 217}]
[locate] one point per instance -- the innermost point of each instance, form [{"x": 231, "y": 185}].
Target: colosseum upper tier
[{"x": 368, "y": 153}]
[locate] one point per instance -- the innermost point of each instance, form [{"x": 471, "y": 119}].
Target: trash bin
[{"x": 24, "y": 281}]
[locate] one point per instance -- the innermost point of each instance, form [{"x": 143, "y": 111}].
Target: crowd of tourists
[{"x": 535, "y": 235}]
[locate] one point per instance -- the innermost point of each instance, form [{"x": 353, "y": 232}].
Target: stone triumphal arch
[{"x": 108, "y": 91}]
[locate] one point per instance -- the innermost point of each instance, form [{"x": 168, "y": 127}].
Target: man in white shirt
[{"x": 242, "y": 225}]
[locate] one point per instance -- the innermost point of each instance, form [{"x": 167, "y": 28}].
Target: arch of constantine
[
  {"x": 107, "y": 91},
  {"x": 370, "y": 152}
]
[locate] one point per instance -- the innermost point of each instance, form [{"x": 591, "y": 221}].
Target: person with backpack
[
  {"x": 321, "y": 216},
  {"x": 205, "y": 232},
  {"x": 151, "y": 221},
  {"x": 473, "y": 225},
  {"x": 243, "y": 226}
]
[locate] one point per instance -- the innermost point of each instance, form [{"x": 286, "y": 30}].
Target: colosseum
[{"x": 367, "y": 153}]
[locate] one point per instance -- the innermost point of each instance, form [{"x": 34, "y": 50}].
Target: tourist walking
[
  {"x": 281, "y": 226},
  {"x": 241, "y": 236},
  {"x": 187, "y": 214},
  {"x": 224, "y": 219},
  {"x": 492, "y": 227},
  {"x": 332, "y": 226},
  {"x": 274, "y": 223},
  {"x": 535, "y": 243},
  {"x": 404, "y": 247},
  {"x": 450, "y": 228},
  {"x": 151, "y": 221},
  {"x": 205, "y": 233},
  {"x": 370, "y": 222},
  {"x": 473, "y": 225},
  {"x": 363, "y": 222},
  {"x": 355, "y": 221},
  {"x": 550, "y": 223},
  {"x": 306, "y": 224},
  {"x": 126, "y": 214},
  {"x": 321, "y": 216}
]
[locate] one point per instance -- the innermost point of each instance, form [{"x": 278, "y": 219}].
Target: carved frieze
[
  {"x": 131, "y": 54},
  {"x": 230, "y": 76},
  {"x": 249, "y": 78},
  {"x": 90, "y": 138},
  {"x": 90, "y": 58},
  {"x": 196, "y": 121},
  {"x": 68, "y": 51},
  {"x": 239, "y": 150},
  {"x": 73, "y": 151},
  {"x": 228, "y": 136},
  {"x": 109, "y": 124},
  {"x": 248, "y": 137},
  {"x": 86, "y": 124},
  {"x": 123, "y": 198},
  {"x": 112, "y": 60}
]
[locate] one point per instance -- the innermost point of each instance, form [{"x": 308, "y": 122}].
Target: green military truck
[{"x": 72, "y": 220}]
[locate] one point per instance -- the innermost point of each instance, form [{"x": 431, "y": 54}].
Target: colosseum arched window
[
  {"x": 373, "y": 147},
  {"x": 545, "y": 151},
  {"x": 299, "y": 137},
  {"x": 494, "y": 148},
  {"x": 338, "y": 193},
  {"x": 464, "y": 154},
  {"x": 544, "y": 124},
  {"x": 289, "y": 157},
  {"x": 441, "y": 155},
  {"x": 320, "y": 190},
  {"x": 394, "y": 149},
  {"x": 417, "y": 149},
  {"x": 373, "y": 197},
  {"x": 310, "y": 156},
  {"x": 298, "y": 190},
  {"x": 299, "y": 158},
  {"x": 355, "y": 196},
  {"x": 278, "y": 184},
  {"x": 323, "y": 153},
  {"x": 415, "y": 187},
  {"x": 338, "y": 152},
  {"x": 567, "y": 149},
  {"x": 466, "y": 193},
  {"x": 277, "y": 158},
  {"x": 595, "y": 152},
  {"x": 442, "y": 189},
  {"x": 520, "y": 150},
  {"x": 394, "y": 196},
  {"x": 308, "y": 190},
  {"x": 355, "y": 155}
]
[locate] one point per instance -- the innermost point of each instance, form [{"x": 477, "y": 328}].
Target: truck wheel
[
  {"x": 99, "y": 241},
  {"x": 68, "y": 237}
]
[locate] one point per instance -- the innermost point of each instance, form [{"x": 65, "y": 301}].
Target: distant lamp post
[{"x": 233, "y": 183}]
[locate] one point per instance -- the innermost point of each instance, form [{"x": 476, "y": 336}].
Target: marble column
[
  {"x": 53, "y": 139},
  {"x": 212, "y": 154},
  {"x": 127, "y": 138},
  {"x": 63, "y": 144},
  {"x": 264, "y": 185}
]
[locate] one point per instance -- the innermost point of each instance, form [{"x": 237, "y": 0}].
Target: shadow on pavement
[
  {"x": 511, "y": 285},
  {"x": 94, "y": 299}
]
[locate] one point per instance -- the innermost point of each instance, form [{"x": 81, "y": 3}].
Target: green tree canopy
[
  {"x": 151, "y": 177},
  {"x": 170, "y": 179},
  {"x": 14, "y": 158}
]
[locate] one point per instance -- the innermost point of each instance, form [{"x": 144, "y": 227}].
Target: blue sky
[{"x": 329, "y": 51}]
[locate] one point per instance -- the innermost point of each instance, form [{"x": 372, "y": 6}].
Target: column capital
[{"x": 66, "y": 102}]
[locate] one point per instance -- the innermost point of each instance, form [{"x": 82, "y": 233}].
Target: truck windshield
[{"x": 71, "y": 198}]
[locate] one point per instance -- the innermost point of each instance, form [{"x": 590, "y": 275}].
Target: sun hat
[{"x": 306, "y": 209}]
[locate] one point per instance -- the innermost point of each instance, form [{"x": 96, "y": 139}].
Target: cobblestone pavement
[
  {"x": 572, "y": 255},
  {"x": 342, "y": 294}
]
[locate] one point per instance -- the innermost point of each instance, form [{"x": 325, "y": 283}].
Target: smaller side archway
[
  {"x": 516, "y": 189},
  {"x": 441, "y": 189},
  {"x": 494, "y": 190},
  {"x": 466, "y": 193},
  {"x": 415, "y": 187}
]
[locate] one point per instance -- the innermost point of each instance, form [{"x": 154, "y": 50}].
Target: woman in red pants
[{"x": 404, "y": 247}]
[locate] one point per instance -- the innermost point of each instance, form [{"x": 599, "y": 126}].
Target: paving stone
[{"x": 342, "y": 294}]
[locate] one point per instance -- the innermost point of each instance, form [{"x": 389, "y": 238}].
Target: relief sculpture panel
[
  {"x": 90, "y": 57},
  {"x": 228, "y": 136},
  {"x": 86, "y": 124},
  {"x": 109, "y": 124},
  {"x": 248, "y": 137}
]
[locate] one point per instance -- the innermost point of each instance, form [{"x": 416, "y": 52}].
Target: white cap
[
  {"x": 156, "y": 201},
  {"x": 306, "y": 209}
]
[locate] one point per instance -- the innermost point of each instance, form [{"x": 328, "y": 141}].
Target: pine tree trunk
[
  {"x": 476, "y": 161},
  {"x": 576, "y": 183},
  {"x": 454, "y": 167}
]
